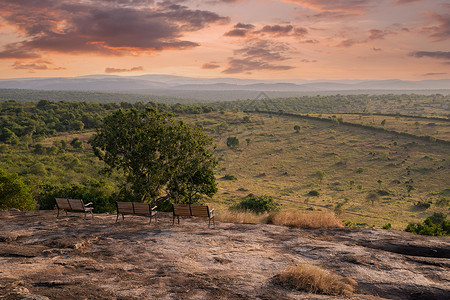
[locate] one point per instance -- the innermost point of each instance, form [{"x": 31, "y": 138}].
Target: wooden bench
[
  {"x": 135, "y": 208},
  {"x": 74, "y": 205},
  {"x": 187, "y": 210}
]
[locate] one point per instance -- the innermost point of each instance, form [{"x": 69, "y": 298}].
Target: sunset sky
[{"x": 259, "y": 39}]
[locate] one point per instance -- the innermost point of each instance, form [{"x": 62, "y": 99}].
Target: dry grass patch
[
  {"x": 314, "y": 279},
  {"x": 302, "y": 219},
  {"x": 234, "y": 216}
]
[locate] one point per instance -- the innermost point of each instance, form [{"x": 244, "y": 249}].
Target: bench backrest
[
  {"x": 62, "y": 203},
  {"x": 76, "y": 204},
  {"x": 200, "y": 211},
  {"x": 125, "y": 207},
  {"x": 181, "y": 210},
  {"x": 141, "y": 208}
]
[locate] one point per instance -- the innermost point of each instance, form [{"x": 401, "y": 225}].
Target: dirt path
[{"x": 71, "y": 258}]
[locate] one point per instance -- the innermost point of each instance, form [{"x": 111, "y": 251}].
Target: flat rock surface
[{"x": 44, "y": 257}]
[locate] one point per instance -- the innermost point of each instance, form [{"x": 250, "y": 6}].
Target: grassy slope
[{"x": 281, "y": 163}]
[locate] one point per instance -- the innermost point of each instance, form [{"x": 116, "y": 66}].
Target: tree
[
  {"x": 157, "y": 154},
  {"x": 372, "y": 197},
  {"x": 297, "y": 128},
  {"x": 320, "y": 175},
  {"x": 14, "y": 193}
]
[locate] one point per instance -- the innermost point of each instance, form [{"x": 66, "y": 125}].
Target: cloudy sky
[{"x": 260, "y": 39}]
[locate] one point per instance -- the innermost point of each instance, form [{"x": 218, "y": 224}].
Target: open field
[{"x": 282, "y": 163}]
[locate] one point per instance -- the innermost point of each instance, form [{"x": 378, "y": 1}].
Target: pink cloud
[
  {"x": 116, "y": 70},
  {"x": 104, "y": 27}
]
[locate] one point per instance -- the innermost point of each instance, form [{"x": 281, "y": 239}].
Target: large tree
[{"x": 159, "y": 156}]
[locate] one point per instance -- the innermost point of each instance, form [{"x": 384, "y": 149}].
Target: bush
[
  {"x": 229, "y": 177},
  {"x": 314, "y": 193},
  {"x": 422, "y": 205},
  {"x": 14, "y": 193},
  {"x": 91, "y": 192},
  {"x": 314, "y": 279},
  {"x": 257, "y": 204},
  {"x": 387, "y": 226},
  {"x": 435, "y": 225},
  {"x": 232, "y": 142}
]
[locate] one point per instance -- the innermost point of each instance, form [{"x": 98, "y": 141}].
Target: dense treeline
[
  {"x": 412, "y": 104},
  {"x": 30, "y": 120}
]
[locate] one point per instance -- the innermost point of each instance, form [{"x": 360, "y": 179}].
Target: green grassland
[{"x": 280, "y": 162}]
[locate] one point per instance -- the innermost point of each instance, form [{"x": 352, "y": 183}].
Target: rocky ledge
[{"x": 44, "y": 257}]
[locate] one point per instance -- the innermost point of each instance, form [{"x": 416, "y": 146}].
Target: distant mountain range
[{"x": 176, "y": 83}]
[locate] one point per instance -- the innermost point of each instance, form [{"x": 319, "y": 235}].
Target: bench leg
[{"x": 58, "y": 213}]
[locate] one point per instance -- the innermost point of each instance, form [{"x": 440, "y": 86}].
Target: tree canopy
[{"x": 161, "y": 158}]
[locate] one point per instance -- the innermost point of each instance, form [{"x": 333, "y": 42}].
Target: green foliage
[
  {"x": 77, "y": 143},
  {"x": 93, "y": 191},
  {"x": 435, "y": 225},
  {"x": 359, "y": 170},
  {"x": 14, "y": 193},
  {"x": 387, "y": 226},
  {"x": 157, "y": 154},
  {"x": 297, "y": 128},
  {"x": 232, "y": 142},
  {"x": 257, "y": 204}
]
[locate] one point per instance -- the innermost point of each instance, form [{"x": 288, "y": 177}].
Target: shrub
[
  {"x": 229, "y": 177},
  {"x": 14, "y": 193},
  {"x": 387, "y": 226},
  {"x": 435, "y": 225},
  {"x": 314, "y": 279},
  {"x": 422, "y": 205},
  {"x": 303, "y": 219},
  {"x": 257, "y": 204},
  {"x": 95, "y": 192},
  {"x": 232, "y": 142},
  {"x": 314, "y": 193}
]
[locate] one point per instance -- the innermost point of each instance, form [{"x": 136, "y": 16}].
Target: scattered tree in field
[
  {"x": 232, "y": 142},
  {"x": 383, "y": 123},
  {"x": 156, "y": 154},
  {"x": 297, "y": 128},
  {"x": 379, "y": 183},
  {"x": 320, "y": 175},
  {"x": 14, "y": 193},
  {"x": 373, "y": 197},
  {"x": 248, "y": 140}
]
